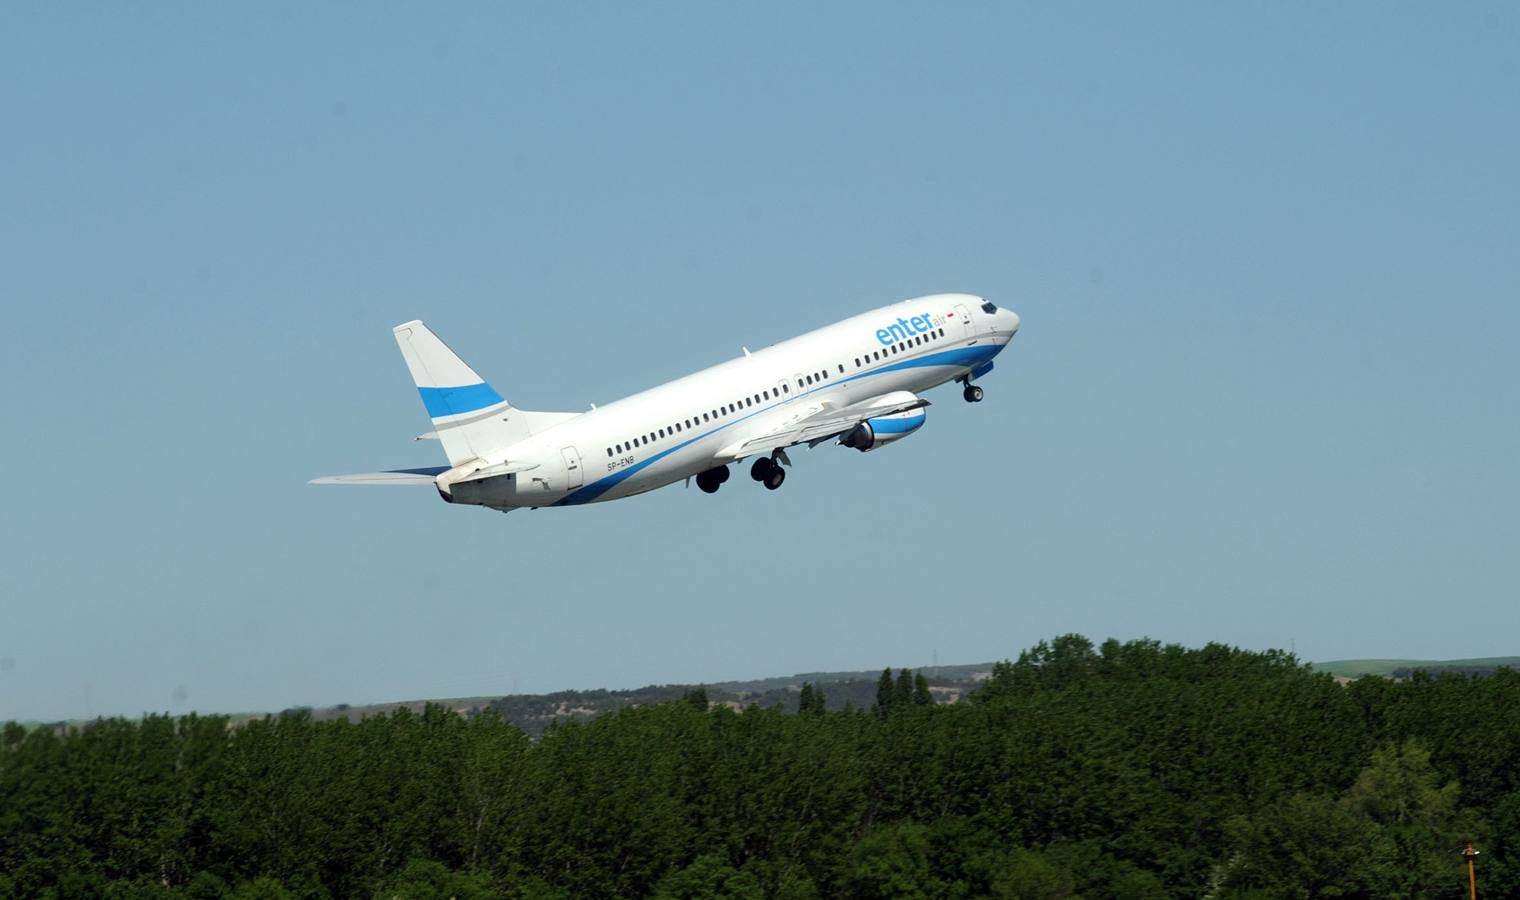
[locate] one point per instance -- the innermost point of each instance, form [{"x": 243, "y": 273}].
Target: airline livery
[{"x": 856, "y": 382}]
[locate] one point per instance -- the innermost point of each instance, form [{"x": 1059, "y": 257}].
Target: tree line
[{"x": 1126, "y": 770}]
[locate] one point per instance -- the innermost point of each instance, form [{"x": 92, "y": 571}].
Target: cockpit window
[{"x": 988, "y": 307}]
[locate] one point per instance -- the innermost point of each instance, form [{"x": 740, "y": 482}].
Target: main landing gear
[
  {"x": 712, "y": 479},
  {"x": 972, "y": 394},
  {"x": 768, "y": 472}
]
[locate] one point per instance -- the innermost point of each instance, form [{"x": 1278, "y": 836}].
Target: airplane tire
[
  {"x": 761, "y": 468},
  {"x": 972, "y": 394},
  {"x": 774, "y": 477},
  {"x": 721, "y": 474}
]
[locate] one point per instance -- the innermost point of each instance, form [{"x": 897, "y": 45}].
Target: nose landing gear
[{"x": 972, "y": 394}]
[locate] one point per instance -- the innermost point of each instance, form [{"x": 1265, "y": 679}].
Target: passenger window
[
  {"x": 841, "y": 368},
  {"x": 786, "y": 389}
]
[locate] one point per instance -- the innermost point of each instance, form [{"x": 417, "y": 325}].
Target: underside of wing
[
  {"x": 819, "y": 426},
  {"x": 392, "y": 476}
]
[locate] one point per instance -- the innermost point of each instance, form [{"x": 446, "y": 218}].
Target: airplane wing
[
  {"x": 819, "y": 425},
  {"x": 393, "y": 476}
]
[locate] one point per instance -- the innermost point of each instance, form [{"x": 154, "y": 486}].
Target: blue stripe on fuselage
[
  {"x": 455, "y": 401},
  {"x": 962, "y": 356}
]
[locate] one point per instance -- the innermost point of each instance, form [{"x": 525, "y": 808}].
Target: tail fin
[{"x": 470, "y": 417}]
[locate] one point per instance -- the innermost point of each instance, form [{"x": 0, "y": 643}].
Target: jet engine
[{"x": 882, "y": 430}]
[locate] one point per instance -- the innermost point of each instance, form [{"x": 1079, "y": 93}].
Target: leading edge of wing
[
  {"x": 821, "y": 425},
  {"x": 424, "y": 475}
]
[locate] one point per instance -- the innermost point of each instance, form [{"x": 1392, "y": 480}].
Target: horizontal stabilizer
[{"x": 394, "y": 476}]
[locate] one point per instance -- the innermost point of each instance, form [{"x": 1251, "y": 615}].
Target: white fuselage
[{"x": 678, "y": 429}]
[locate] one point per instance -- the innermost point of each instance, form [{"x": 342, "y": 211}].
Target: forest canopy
[{"x": 1126, "y": 770}]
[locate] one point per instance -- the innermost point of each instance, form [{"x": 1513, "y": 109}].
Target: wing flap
[{"x": 823, "y": 424}]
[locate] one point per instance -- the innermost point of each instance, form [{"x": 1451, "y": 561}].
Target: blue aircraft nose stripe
[{"x": 454, "y": 401}]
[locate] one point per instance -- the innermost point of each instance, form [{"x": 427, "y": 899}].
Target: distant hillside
[
  {"x": 1401, "y": 668},
  {"x": 535, "y": 712}
]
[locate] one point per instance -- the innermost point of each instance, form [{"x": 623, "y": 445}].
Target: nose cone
[{"x": 1010, "y": 320}]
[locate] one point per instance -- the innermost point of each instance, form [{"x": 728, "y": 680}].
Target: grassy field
[{"x": 1354, "y": 667}]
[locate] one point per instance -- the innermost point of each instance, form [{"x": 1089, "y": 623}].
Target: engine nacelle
[{"x": 882, "y": 430}]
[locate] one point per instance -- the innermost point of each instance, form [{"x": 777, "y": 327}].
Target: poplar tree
[
  {"x": 921, "y": 695},
  {"x": 884, "y": 692}
]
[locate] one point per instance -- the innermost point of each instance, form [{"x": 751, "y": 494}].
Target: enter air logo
[{"x": 903, "y": 329}]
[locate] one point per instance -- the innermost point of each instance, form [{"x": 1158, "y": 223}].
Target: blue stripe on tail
[{"x": 454, "y": 401}]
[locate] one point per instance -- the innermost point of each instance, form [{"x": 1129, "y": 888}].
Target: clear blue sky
[{"x": 1266, "y": 390}]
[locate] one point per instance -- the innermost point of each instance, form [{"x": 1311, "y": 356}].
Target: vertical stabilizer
[{"x": 471, "y": 418}]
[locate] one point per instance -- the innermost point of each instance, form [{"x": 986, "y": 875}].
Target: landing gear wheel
[
  {"x": 972, "y": 394},
  {"x": 761, "y": 468},
  {"x": 712, "y": 479},
  {"x": 774, "y": 477}
]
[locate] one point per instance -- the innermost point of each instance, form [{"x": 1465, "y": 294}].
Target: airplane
[{"x": 856, "y": 382}]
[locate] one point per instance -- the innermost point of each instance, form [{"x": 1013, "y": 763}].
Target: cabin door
[
  {"x": 573, "y": 477},
  {"x": 964, "y": 314}
]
